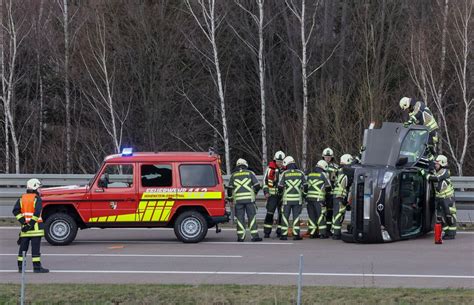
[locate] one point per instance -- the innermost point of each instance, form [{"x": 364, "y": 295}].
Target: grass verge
[{"x": 226, "y": 294}]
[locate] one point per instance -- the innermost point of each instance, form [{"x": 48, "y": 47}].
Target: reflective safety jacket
[
  {"x": 29, "y": 207},
  {"x": 344, "y": 181},
  {"x": 332, "y": 172},
  {"x": 443, "y": 186},
  {"x": 293, "y": 184},
  {"x": 271, "y": 179},
  {"x": 243, "y": 185},
  {"x": 318, "y": 182},
  {"x": 422, "y": 115}
]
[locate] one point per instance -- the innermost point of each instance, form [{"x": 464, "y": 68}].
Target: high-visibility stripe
[
  {"x": 182, "y": 195},
  {"x": 36, "y": 259}
]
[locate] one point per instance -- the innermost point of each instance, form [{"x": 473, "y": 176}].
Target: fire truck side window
[
  {"x": 156, "y": 175},
  {"x": 197, "y": 175},
  {"x": 118, "y": 175}
]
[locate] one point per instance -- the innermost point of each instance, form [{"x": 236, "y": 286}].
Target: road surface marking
[
  {"x": 441, "y": 276},
  {"x": 134, "y": 255},
  {"x": 177, "y": 242}
]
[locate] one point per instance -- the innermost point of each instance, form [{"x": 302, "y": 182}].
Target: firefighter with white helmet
[
  {"x": 341, "y": 193},
  {"x": 328, "y": 156},
  {"x": 27, "y": 211},
  {"x": 318, "y": 184},
  {"x": 444, "y": 196},
  {"x": 293, "y": 185},
  {"x": 270, "y": 189},
  {"x": 420, "y": 114},
  {"x": 242, "y": 189}
]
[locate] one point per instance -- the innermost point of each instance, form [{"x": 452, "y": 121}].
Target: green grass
[{"x": 226, "y": 294}]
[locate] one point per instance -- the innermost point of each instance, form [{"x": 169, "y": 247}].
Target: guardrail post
[
  {"x": 23, "y": 279},
  {"x": 300, "y": 280}
]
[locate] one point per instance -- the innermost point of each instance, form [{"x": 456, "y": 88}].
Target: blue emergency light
[{"x": 128, "y": 151}]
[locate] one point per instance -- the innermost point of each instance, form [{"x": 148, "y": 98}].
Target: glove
[
  {"x": 25, "y": 228},
  {"x": 22, "y": 220},
  {"x": 406, "y": 124},
  {"x": 422, "y": 172}
]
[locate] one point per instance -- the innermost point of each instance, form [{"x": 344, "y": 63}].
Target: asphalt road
[{"x": 155, "y": 256}]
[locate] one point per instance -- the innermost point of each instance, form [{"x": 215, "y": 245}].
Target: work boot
[
  {"x": 40, "y": 270},
  {"x": 336, "y": 237},
  {"x": 323, "y": 236},
  {"x": 256, "y": 238},
  {"x": 267, "y": 235},
  {"x": 449, "y": 237},
  {"x": 313, "y": 236},
  {"x": 240, "y": 239},
  {"x": 283, "y": 237},
  {"x": 297, "y": 237},
  {"x": 278, "y": 233}
]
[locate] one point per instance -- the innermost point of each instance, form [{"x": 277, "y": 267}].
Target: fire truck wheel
[
  {"x": 190, "y": 227},
  {"x": 60, "y": 229}
]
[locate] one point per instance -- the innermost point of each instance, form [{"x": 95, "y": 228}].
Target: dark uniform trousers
[
  {"x": 446, "y": 211},
  {"x": 273, "y": 204},
  {"x": 295, "y": 210},
  {"x": 240, "y": 210}
]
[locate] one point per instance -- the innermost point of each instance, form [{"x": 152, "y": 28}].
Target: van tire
[
  {"x": 60, "y": 229},
  {"x": 190, "y": 227}
]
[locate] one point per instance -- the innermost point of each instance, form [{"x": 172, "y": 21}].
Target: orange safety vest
[{"x": 27, "y": 204}]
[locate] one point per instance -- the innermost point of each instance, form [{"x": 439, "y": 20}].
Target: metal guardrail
[{"x": 13, "y": 185}]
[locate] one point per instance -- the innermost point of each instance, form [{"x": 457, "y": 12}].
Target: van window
[
  {"x": 118, "y": 175},
  {"x": 197, "y": 175},
  {"x": 156, "y": 175}
]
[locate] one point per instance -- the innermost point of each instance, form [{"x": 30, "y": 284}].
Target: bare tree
[
  {"x": 209, "y": 24},
  {"x": 65, "y": 22},
  {"x": 427, "y": 72},
  {"x": 102, "y": 100},
  {"x": 9, "y": 77},
  {"x": 5, "y": 112},
  {"x": 259, "y": 53}
]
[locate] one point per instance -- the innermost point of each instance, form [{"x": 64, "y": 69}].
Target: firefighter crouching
[
  {"x": 293, "y": 185},
  {"x": 27, "y": 211},
  {"x": 270, "y": 189},
  {"x": 243, "y": 187},
  {"x": 318, "y": 184},
  {"x": 444, "y": 196},
  {"x": 328, "y": 156},
  {"x": 341, "y": 191}
]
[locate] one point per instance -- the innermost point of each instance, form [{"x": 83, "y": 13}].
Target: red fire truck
[{"x": 183, "y": 190}]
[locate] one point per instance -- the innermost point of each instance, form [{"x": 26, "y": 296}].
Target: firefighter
[
  {"x": 444, "y": 197},
  {"x": 243, "y": 187},
  {"x": 318, "y": 183},
  {"x": 27, "y": 211},
  {"x": 328, "y": 156},
  {"x": 420, "y": 114},
  {"x": 293, "y": 185},
  {"x": 341, "y": 191},
  {"x": 270, "y": 189}
]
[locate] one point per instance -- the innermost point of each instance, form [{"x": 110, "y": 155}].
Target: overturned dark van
[{"x": 391, "y": 199}]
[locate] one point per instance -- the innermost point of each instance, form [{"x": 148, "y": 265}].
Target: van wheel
[
  {"x": 60, "y": 229},
  {"x": 190, "y": 227}
]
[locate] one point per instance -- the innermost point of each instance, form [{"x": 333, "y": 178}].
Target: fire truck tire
[
  {"x": 190, "y": 227},
  {"x": 60, "y": 229}
]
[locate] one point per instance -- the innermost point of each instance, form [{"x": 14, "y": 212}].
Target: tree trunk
[
  {"x": 261, "y": 70},
  {"x": 66, "y": 85},
  {"x": 304, "y": 63}
]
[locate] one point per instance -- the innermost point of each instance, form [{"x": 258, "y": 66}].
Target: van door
[
  {"x": 412, "y": 203},
  {"x": 157, "y": 189},
  {"x": 113, "y": 196}
]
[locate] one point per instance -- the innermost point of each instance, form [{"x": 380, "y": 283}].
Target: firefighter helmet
[
  {"x": 323, "y": 164},
  {"x": 405, "y": 103},
  {"x": 288, "y": 160},
  {"x": 442, "y": 160},
  {"x": 279, "y": 156},
  {"x": 33, "y": 184},
  {"x": 242, "y": 162},
  {"x": 327, "y": 152},
  {"x": 346, "y": 159}
]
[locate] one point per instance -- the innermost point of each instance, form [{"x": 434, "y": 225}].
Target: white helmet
[
  {"x": 33, "y": 184},
  {"x": 346, "y": 159},
  {"x": 327, "y": 152},
  {"x": 442, "y": 160},
  {"x": 279, "y": 156},
  {"x": 405, "y": 103},
  {"x": 242, "y": 162},
  {"x": 288, "y": 160},
  {"x": 323, "y": 164}
]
